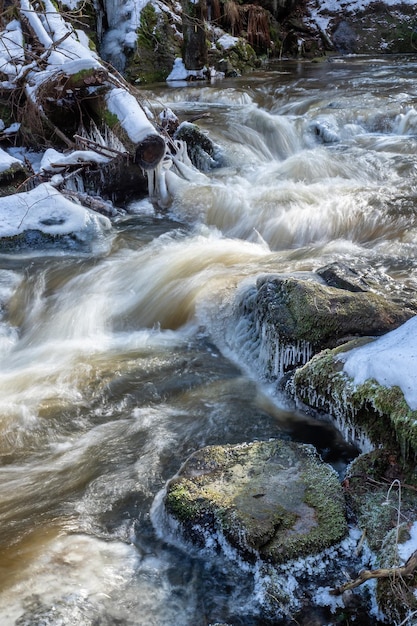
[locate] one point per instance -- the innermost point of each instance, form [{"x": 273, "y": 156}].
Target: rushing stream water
[{"x": 115, "y": 366}]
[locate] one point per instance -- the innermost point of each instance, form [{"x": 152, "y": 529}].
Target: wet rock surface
[
  {"x": 369, "y": 414},
  {"x": 324, "y": 316},
  {"x": 272, "y": 500},
  {"x": 203, "y": 153},
  {"x": 291, "y": 318},
  {"x": 360, "y": 277}
]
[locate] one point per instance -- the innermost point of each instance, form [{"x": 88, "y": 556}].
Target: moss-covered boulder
[
  {"x": 293, "y": 318},
  {"x": 369, "y": 414},
  {"x": 232, "y": 56},
  {"x": 158, "y": 44},
  {"x": 272, "y": 500},
  {"x": 305, "y": 310}
]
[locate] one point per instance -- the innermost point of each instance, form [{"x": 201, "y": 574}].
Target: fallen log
[{"x": 66, "y": 87}]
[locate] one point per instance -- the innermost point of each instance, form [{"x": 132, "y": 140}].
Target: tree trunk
[{"x": 193, "y": 28}]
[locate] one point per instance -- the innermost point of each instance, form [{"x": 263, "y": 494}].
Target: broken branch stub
[{"x": 150, "y": 152}]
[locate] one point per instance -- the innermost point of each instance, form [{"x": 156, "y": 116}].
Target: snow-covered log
[{"x": 65, "y": 86}]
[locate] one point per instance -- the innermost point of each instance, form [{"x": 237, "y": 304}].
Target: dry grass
[
  {"x": 216, "y": 11},
  {"x": 258, "y": 33},
  {"x": 232, "y": 17}
]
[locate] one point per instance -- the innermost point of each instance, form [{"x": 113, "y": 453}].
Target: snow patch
[
  {"x": 406, "y": 549},
  {"x": 227, "y": 41},
  {"x": 391, "y": 360},
  {"x": 45, "y": 209},
  {"x": 7, "y": 161},
  {"x": 179, "y": 72}
]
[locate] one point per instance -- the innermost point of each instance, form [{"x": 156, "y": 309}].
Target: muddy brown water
[{"x": 115, "y": 366}]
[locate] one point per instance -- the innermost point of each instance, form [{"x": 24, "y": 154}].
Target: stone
[
  {"x": 201, "y": 150},
  {"x": 269, "y": 500},
  {"x": 291, "y": 318},
  {"x": 321, "y": 315},
  {"x": 368, "y": 415},
  {"x": 359, "y": 276}
]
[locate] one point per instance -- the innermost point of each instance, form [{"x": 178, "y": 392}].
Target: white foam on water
[{"x": 70, "y": 565}]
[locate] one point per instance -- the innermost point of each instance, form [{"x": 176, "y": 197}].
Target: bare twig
[
  {"x": 100, "y": 149},
  {"x": 404, "y": 570}
]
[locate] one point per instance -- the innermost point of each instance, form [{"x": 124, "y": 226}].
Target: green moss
[
  {"x": 400, "y": 36},
  {"x": 326, "y": 499},
  {"x": 328, "y": 503},
  {"x": 396, "y": 418},
  {"x": 378, "y": 488},
  {"x": 179, "y": 501},
  {"x": 305, "y": 311},
  {"x": 156, "y": 49},
  {"x": 147, "y": 34},
  {"x": 275, "y": 500},
  {"x": 381, "y": 413},
  {"x": 242, "y": 56},
  {"x": 110, "y": 119}
]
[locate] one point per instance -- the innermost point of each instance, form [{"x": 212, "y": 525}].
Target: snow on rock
[
  {"x": 391, "y": 360},
  {"x": 7, "y": 161},
  {"x": 47, "y": 210},
  {"x": 227, "y": 41},
  {"x": 179, "y": 72}
]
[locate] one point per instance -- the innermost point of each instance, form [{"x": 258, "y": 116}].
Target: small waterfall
[{"x": 252, "y": 340}]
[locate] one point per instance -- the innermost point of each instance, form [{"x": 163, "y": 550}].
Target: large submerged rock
[
  {"x": 370, "y": 415},
  {"x": 44, "y": 218},
  {"x": 291, "y": 318},
  {"x": 272, "y": 500}
]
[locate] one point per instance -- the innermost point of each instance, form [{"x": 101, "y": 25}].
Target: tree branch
[{"x": 404, "y": 570}]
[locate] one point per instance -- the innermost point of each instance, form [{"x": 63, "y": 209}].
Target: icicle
[{"x": 157, "y": 187}]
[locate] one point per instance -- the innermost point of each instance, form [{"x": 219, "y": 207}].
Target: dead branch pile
[{"x": 55, "y": 87}]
